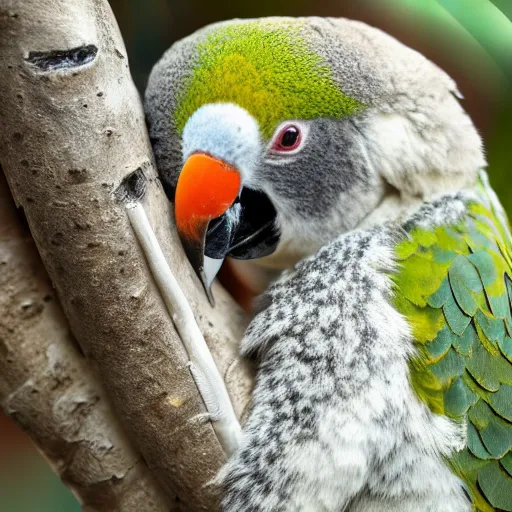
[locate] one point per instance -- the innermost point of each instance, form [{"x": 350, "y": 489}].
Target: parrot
[{"x": 331, "y": 152}]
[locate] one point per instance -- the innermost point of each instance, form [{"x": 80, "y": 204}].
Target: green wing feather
[{"x": 454, "y": 284}]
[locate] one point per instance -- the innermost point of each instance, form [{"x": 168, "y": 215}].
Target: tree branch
[
  {"x": 75, "y": 131},
  {"x": 202, "y": 366},
  {"x": 47, "y": 388}
]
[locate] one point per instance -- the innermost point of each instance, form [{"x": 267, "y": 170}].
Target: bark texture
[
  {"x": 74, "y": 131},
  {"x": 48, "y": 389}
]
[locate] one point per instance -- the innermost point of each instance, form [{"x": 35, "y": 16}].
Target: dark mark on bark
[
  {"x": 78, "y": 175},
  {"x": 30, "y": 309},
  {"x": 132, "y": 188},
  {"x": 63, "y": 59},
  {"x": 81, "y": 225},
  {"x": 57, "y": 239}
]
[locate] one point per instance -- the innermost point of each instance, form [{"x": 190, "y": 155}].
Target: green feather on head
[{"x": 266, "y": 68}]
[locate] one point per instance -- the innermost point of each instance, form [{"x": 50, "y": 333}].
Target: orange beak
[{"x": 206, "y": 189}]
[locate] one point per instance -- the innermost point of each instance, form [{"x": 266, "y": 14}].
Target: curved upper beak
[
  {"x": 207, "y": 187},
  {"x": 216, "y": 217}
]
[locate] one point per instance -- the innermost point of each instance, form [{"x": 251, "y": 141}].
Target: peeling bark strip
[
  {"x": 47, "y": 388},
  {"x": 73, "y": 135},
  {"x": 209, "y": 382},
  {"x": 63, "y": 59}
]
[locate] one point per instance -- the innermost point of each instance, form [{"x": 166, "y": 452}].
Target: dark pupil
[{"x": 290, "y": 137}]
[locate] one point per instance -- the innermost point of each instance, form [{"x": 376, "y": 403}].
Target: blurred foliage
[
  {"x": 33, "y": 487},
  {"x": 27, "y": 484},
  {"x": 470, "y": 39}
]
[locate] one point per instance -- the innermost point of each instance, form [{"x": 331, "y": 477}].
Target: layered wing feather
[{"x": 454, "y": 285}]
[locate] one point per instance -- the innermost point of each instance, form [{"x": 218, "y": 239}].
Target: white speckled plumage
[{"x": 335, "y": 424}]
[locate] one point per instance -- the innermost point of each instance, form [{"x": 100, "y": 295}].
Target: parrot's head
[{"x": 274, "y": 136}]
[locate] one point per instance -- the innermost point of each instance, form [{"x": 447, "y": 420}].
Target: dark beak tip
[
  {"x": 209, "y": 294},
  {"x": 194, "y": 252},
  {"x": 253, "y": 236}
]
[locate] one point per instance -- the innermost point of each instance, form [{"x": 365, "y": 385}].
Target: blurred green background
[{"x": 470, "y": 39}]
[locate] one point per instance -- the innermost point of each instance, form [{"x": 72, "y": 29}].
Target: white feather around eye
[{"x": 225, "y": 131}]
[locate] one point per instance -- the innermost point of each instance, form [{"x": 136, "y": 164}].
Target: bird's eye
[{"x": 288, "y": 139}]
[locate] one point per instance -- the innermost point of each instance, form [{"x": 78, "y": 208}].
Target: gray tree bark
[
  {"x": 72, "y": 130},
  {"x": 47, "y": 387}
]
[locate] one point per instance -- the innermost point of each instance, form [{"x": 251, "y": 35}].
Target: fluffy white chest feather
[{"x": 335, "y": 424}]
